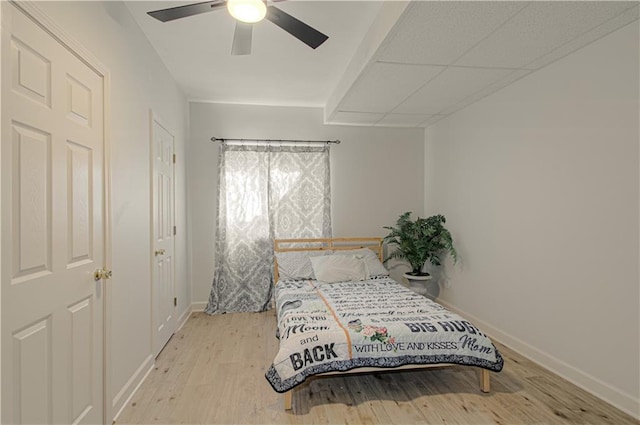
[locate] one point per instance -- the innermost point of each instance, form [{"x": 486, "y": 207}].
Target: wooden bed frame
[{"x": 375, "y": 244}]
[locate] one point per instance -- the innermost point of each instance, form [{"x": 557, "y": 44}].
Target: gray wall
[
  {"x": 539, "y": 183},
  {"x": 376, "y": 173}
]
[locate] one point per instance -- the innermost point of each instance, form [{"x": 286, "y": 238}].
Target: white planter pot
[{"x": 423, "y": 285}]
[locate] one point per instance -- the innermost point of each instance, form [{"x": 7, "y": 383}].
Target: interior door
[
  {"x": 163, "y": 302},
  {"x": 52, "y": 229}
]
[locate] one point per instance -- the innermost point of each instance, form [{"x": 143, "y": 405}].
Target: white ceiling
[
  {"x": 281, "y": 70},
  {"x": 391, "y": 64}
]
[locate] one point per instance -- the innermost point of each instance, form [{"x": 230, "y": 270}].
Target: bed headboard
[{"x": 323, "y": 244}]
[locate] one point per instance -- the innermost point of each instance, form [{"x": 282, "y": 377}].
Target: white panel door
[
  {"x": 162, "y": 296},
  {"x": 52, "y": 229}
]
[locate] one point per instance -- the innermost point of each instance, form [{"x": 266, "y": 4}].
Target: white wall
[
  {"x": 139, "y": 82},
  {"x": 376, "y": 173},
  {"x": 540, "y": 186}
]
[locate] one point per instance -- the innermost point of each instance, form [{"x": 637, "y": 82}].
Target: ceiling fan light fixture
[{"x": 249, "y": 11}]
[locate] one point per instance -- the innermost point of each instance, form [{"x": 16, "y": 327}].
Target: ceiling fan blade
[
  {"x": 303, "y": 32},
  {"x": 178, "y": 12},
  {"x": 242, "y": 39}
]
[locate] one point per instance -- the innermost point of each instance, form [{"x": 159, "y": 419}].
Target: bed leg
[
  {"x": 288, "y": 400},
  {"x": 485, "y": 381}
]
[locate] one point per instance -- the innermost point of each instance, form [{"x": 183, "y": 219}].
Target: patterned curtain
[{"x": 264, "y": 193}]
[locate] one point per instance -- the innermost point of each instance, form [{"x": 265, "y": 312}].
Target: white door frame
[
  {"x": 155, "y": 118},
  {"x": 2, "y": 24},
  {"x": 96, "y": 65}
]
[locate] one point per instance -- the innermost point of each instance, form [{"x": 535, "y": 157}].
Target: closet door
[
  {"x": 52, "y": 228},
  {"x": 162, "y": 291}
]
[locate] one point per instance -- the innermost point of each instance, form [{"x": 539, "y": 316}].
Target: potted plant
[{"x": 418, "y": 241}]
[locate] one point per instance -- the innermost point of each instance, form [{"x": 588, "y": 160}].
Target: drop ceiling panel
[
  {"x": 433, "y": 32},
  {"x": 448, "y": 88},
  {"x": 537, "y": 30},
  {"x": 607, "y": 27},
  {"x": 403, "y": 120},
  {"x": 487, "y": 90},
  {"x": 357, "y": 118},
  {"x": 384, "y": 85},
  {"x": 432, "y": 120}
]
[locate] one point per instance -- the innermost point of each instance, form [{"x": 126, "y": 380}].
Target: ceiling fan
[{"x": 246, "y": 13}]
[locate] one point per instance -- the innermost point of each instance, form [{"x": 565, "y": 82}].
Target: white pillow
[
  {"x": 338, "y": 268},
  {"x": 296, "y": 264},
  {"x": 371, "y": 260}
]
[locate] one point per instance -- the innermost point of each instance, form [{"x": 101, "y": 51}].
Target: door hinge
[
  {"x": 174, "y": 230},
  {"x": 174, "y": 158},
  {"x": 175, "y": 302}
]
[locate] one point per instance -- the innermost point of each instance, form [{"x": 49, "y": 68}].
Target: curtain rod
[{"x": 328, "y": 142}]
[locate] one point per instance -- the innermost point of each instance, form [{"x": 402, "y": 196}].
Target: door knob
[
  {"x": 102, "y": 274},
  {"x": 160, "y": 251}
]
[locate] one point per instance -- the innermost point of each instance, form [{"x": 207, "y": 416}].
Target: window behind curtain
[{"x": 264, "y": 193}]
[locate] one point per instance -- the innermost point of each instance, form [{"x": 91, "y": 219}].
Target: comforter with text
[{"x": 374, "y": 323}]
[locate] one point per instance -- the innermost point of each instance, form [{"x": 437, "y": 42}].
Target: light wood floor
[{"x": 212, "y": 372}]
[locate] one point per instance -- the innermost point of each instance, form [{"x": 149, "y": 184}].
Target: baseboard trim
[
  {"x": 184, "y": 317},
  {"x": 127, "y": 392},
  {"x": 593, "y": 385},
  {"x": 200, "y": 306},
  {"x": 193, "y": 308}
]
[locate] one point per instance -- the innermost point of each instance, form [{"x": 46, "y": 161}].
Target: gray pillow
[
  {"x": 372, "y": 263},
  {"x": 296, "y": 264}
]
